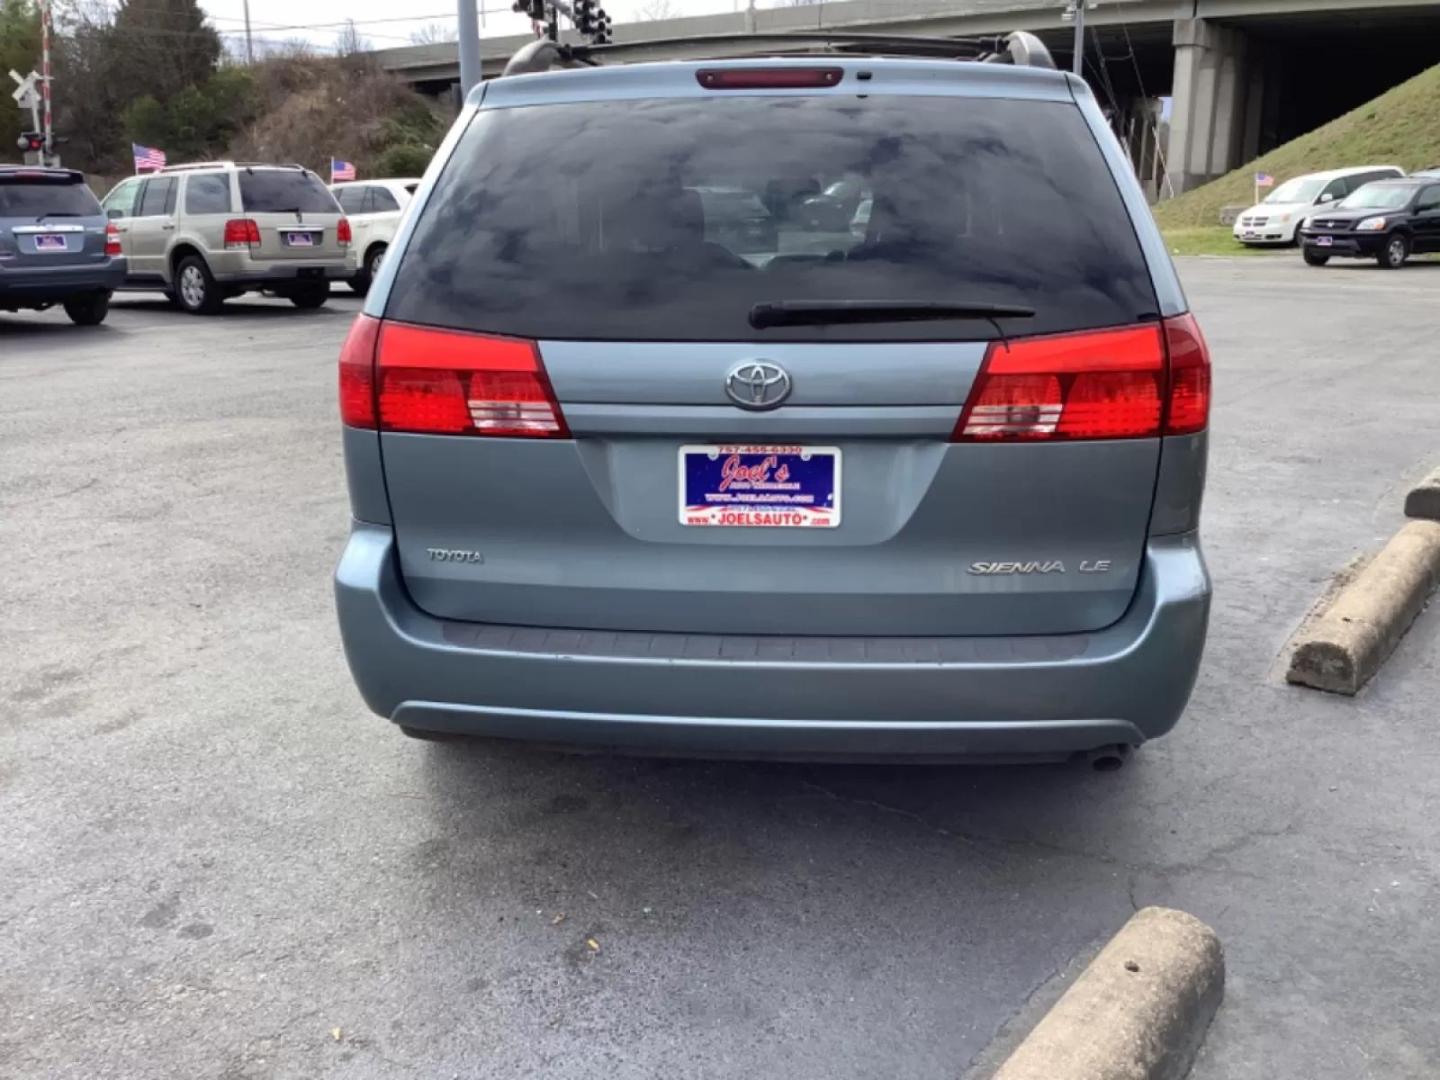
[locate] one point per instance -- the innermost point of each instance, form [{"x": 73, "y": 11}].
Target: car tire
[
  {"x": 1315, "y": 258},
  {"x": 88, "y": 309},
  {"x": 429, "y": 736},
  {"x": 362, "y": 281},
  {"x": 1396, "y": 250},
  {"x": 195, "y": 287},
  {"x": 310, "y": 296}
]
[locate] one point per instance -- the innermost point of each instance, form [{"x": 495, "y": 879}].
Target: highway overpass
[{"x": 1243, "y": 75}]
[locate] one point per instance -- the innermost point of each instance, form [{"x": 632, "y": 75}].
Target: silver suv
[
  {"x": 204, "y": 233},
  {"x": 926, "y": 484}
]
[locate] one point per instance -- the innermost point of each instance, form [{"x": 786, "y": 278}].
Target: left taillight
[
  {"x": 342, "y": 232},
  {"x": 112, "y": 240},
  {"x": 357, "y": 373},
  {"x": 1126, "y": 383},
  {"x": 404, "y": 378}
]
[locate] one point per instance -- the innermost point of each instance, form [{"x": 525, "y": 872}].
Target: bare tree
[
  {"x": 655, "y": 10},
  {"x": 349, "y": 42},
  {"x": 436, "y": 33}
]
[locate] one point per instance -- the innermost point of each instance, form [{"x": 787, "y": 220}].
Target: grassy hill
[{"x": 1400, "y": 127}]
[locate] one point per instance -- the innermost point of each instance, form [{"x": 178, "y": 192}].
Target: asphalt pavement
[{"x": 216, "y": 863}]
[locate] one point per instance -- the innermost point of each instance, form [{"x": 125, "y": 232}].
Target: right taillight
[
  {"x": 1188, "y": 406},
  {"x": 1128, "y": 383},
  {"x": 112, "y": 241},
  {"x": 242, "y": 233},
  {"x": 445, "y": 382}
]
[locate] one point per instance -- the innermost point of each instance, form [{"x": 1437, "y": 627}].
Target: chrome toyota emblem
[{"x": 757, "y": 384}]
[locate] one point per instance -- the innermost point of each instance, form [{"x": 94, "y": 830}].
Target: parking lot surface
[{"x": 216, "y": 863}]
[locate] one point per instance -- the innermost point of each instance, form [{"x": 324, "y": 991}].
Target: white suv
[
  {"x": 374, "y": 208},
  {"x": 207, "y": 232}
]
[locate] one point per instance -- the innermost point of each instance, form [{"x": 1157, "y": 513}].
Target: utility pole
[
  {"x": 249, "y": 45},
  {"x": 469, "y": 48}
]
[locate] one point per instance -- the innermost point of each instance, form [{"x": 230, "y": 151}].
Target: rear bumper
[
  {"x": 238, "y": 268},
  {"x": 771, "y": 696},
  {"x": 51, "y": 284}
]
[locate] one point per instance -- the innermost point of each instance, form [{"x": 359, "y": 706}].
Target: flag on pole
[
  {"x": 147, "y": 157},
  {"x": 341, "y": 170},
  {"x": 1264, "y": 179}
]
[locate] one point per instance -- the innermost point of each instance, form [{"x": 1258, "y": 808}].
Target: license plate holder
[
  {"x": 298, "y": 238},
  {"x": 1324, "y": 241},
  {"x": 48, "y": 242},
  {"x": 759, "y": 485}
]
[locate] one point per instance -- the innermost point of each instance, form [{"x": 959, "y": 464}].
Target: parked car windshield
[
  {"x": 285, "y": 190},
  {"x": 671, "y": 219},
  {"x": 32, "y": 198},
  {"x": 1302, "y": 189},
  {"x": 1378, "y": 197}
]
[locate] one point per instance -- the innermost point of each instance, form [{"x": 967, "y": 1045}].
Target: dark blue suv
[{"x": 56, "y": 246}]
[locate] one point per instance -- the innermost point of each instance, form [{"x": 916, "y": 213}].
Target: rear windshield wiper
[{"x": 830, "y": 312}]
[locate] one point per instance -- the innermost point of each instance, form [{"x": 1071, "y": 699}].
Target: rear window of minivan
[
  {"x": 670, "y": 219},
  {"x": 285, "y": 191}
]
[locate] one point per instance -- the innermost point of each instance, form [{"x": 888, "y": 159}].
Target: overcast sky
[{"x": 384, "y": 23}]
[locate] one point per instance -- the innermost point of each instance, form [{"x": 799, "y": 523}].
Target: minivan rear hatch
[{"x": 735, "y": 299}]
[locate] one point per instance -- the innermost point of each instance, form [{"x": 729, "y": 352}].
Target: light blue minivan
[{"x": 631, "y": 471}]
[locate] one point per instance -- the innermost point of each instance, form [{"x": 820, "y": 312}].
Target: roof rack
[
  {"x": 189, "y": 165},
  {"x": 1021, "y": 48}
]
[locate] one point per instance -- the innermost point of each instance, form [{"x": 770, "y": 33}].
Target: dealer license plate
[
  {"x": 751, "y": 486},
  {"x": 1324, "y": 241},
  {"x": 299, "y": 239},
  {"x": 49, "y": 242}
]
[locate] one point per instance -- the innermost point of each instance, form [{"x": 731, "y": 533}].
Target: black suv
[
  {"x": 55, "y": 245},
  {"x": 1388, "y": 220}
]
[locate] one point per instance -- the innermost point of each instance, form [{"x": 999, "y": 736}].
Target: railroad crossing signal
[{"x": 26, "y": 92}]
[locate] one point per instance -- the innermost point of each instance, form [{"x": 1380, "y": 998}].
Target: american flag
[
  {"x": 147, "y": 157},
  {"x": 1264, "y": 179},
  {"x": 341, "y": 170}
]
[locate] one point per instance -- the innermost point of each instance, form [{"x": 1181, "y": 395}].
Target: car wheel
[
  {"x": 1316, "y": 258},
  {"x": 311, "y": 295},
  {"x": 89, "y": 309},
  {"x": 362, "y": 281},
  {"x": 1396, "y": 251},
  {"x": 196, "y": 288}
]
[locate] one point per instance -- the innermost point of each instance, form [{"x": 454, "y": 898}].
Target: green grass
[
  {"x": 1400, "y": 127},
  {"x": 1208, "y": 240}
]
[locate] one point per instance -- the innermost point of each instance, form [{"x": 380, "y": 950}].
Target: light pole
[
  {"x": 1076, "y": 10},
  {"x": 469, "y": 48}
]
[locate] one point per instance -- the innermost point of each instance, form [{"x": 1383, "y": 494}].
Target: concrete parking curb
[
  {"x": 1138, "y": 1012},
  {"x": 1424, "y": 498},
  {"x": 1343, "y": 646}
]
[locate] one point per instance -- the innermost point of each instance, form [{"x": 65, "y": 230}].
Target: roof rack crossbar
[{"x": 1021, "y": 47}]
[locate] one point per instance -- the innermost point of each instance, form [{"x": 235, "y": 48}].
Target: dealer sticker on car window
[{"x": 760, "y": 486}]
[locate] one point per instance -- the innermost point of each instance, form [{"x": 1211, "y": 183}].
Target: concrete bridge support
[{"x": 1219, "y": 100}]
